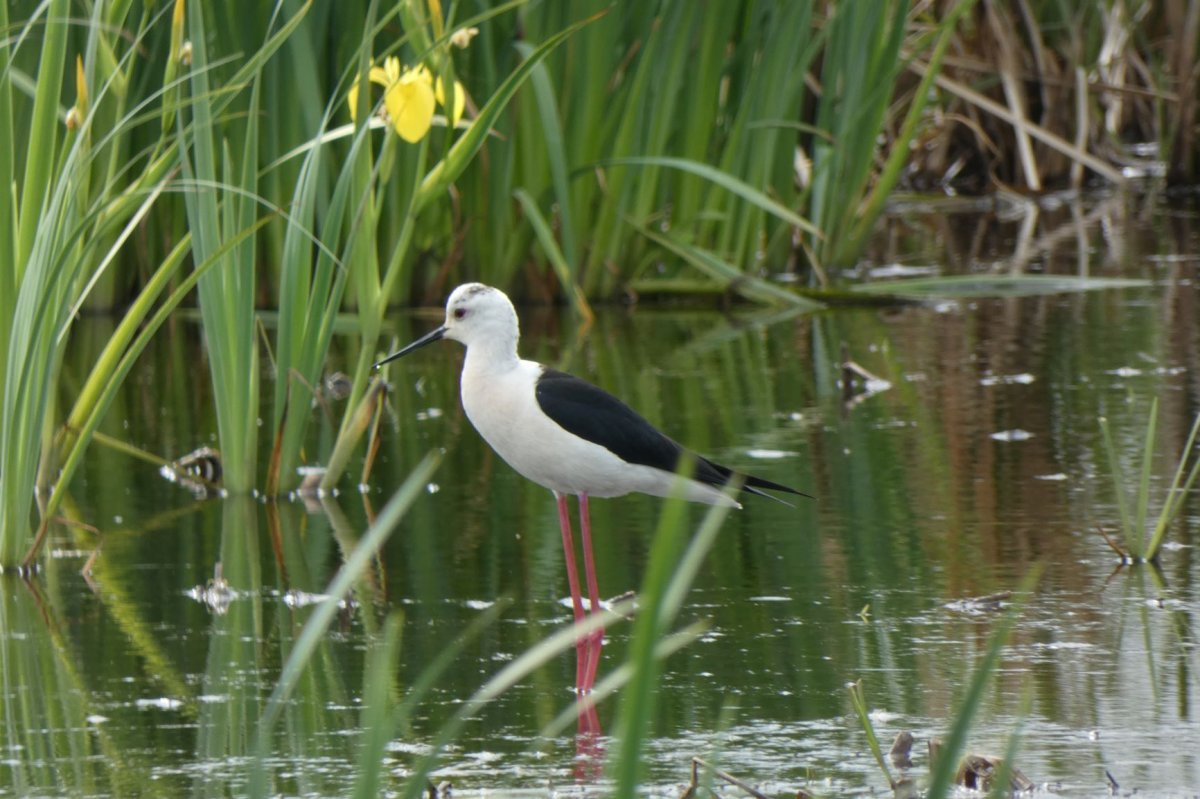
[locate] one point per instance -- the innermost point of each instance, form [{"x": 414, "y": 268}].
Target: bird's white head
[{"x": 479, "y": 316}]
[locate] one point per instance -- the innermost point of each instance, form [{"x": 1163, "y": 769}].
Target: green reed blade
[
  {"x": 727, "y": 276},
  {"x": 669, "y": 574},
  {"x": 310, "y": 296},
  {"x": 859, "y": 69},
  {"x": 42, "y": 136},
  {"x": 1178, "y": 491},
  {"x": 375, "y": 718},
  {"x": 899, "y": 156},
  {"x": 8, "y": 168},
  {"x": 699, "y": 121},
  {"x": 859, "y": 700},
  {"x": 1002, "y": 780},
  {"x": 1129, "y": 533},
  {"x": 556, "y": 157},
  {"x": 776, "y": 56},
  {"x": 442, "y": 661},
  {"x": 624, "y": 134},
  {"x": 728, "y": 182},
  {"x": 309, "y": 302},
  {"x": 558, "y": 261},
  {"x": 1142, "y": 497}
]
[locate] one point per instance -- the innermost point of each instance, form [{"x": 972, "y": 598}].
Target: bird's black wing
[{"x": 595, "y": 415}]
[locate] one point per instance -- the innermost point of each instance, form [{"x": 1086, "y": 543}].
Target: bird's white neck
[{"x": 492, "y": 355}]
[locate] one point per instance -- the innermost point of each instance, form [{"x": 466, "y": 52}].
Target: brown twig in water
[
  {"x": 90, "y": 562},
  {"x": 698, "y": 763},
  {"x": 1114, "y": 546}
]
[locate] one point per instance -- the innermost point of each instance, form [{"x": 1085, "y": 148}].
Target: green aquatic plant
[
  {"x": 1141, "y": 541},
  {"x": 77, "y": 199},
  {"x": 665, "y": 119},
  {"x": 700, "y": 85},
  {"x": 864, "y": 58}
]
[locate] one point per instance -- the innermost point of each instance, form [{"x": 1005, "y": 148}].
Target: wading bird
[{"x": 566, "y": 435}]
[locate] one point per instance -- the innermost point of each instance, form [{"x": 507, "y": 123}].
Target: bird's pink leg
[
  {"x": 564, "y": 521},
  {"x": 596, "y": 638}
]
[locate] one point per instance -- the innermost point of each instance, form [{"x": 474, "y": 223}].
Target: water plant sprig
[
  {"x": 859, "y": 700},
  {"x": 1141, "y": 543}
]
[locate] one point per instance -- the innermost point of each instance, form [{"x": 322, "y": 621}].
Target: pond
[{"x": 973, "y": 459}]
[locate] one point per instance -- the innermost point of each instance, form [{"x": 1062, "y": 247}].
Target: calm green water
[{"x": 979, "y": 461}]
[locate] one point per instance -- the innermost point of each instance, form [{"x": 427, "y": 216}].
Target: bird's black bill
[{"x": 428, "y": 338}]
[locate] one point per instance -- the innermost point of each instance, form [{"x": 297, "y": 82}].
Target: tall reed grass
[
  {"x": 83, "y": 191},
  {"x": 701, "y": 85},
  {"x": 76, "y": 202},
  {"x": 655, "y": 148}
]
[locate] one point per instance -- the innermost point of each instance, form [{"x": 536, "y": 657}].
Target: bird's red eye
[{"x": 459, "y": 313}]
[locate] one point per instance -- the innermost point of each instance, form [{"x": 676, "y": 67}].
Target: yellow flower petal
[
  {"x": 374, "y": 75},
  {"x": 460, "y": 100},
  {"x": 381, "y": 76},
  {"x": 391, "y": 67},
  {"x": 410, "y": 105}
]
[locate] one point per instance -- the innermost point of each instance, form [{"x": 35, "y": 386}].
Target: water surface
[{"x": 977, "y": 460}]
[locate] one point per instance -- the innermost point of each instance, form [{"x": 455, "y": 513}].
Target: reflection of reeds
[
  {"x": 309, "y": 641},
  {"x": 1141, "y": 543},
  {"x": 56, "y": 743},
  {"x": 673, "y": 564}
]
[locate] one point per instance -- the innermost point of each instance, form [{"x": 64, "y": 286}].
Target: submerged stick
[{"x": 698, "y": 763}]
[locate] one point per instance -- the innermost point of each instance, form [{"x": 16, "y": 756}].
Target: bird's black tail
[
  {"x": 718, "y": 475},
  {"x": 754, "y": 485}
]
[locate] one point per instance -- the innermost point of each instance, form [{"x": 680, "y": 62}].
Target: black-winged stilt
[{"x": 565, "y": 434}]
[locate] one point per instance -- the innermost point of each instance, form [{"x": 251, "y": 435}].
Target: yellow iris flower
[{"x": 409, "y": 98}]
